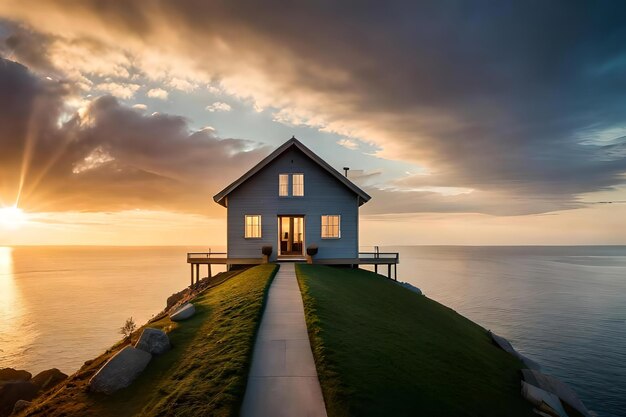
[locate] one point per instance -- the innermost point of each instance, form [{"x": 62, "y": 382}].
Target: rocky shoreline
[
  {"x": 549, "y": 395},
  {"x": 18, "y": 387}
]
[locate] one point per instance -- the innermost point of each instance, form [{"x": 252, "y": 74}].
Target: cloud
[
  {"x": 107, "y": 156},
  {"x": 94, "y": 160},
  {"x": 348, "y": 143},
  {"x": 218, "y": 106},
  {"x": 488, "y": 105},
  {"x": 120, "y": 90},
  {"x": 157, "y": 93}
]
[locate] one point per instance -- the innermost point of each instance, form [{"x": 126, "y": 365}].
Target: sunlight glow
[{"x": 12, "y": 217}]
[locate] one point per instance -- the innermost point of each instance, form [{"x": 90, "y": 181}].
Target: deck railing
[
  {"x": 205, "y": 255},
  {"x": 380, "y": 255},
  {"x": 377, "y": 254}
]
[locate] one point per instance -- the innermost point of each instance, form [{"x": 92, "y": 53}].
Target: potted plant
[
  {"x": 311, "y": 251},
  {"x": 267, "y": 252}
]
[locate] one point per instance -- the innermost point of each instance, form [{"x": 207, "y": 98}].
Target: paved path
[{"x": 283, "y": 380}]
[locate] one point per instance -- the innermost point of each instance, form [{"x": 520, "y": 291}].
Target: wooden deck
[{"x": 195, "y": 259}]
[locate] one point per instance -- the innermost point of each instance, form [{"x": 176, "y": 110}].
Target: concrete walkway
[{"x": 283, "y": 380}]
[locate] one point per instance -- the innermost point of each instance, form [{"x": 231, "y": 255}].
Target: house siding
[{"x": 323, "y": 194}]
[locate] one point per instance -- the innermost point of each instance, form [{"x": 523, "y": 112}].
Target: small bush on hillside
[{"x": 128, "y": 328}]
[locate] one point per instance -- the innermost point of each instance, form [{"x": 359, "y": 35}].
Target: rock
[
  {"x": 10, "y": 374},
  {"x": 153, "y": 341},
  {"x": 411, "y": 287},
  {"x": 176, "y": 297},
  {"x": 556, "y": 387},
  {"x": 541, "y": 398},
  {"x": 120, "y": 371},
  {"x": 183, "y": 313},
  {"x": 21, "y": 405},
  {"x": 45, "y": 380},
  {"x": 12, "y": 392},
  {"x": 507, "y": 347}
]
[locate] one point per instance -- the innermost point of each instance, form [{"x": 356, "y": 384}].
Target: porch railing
[{"x": 205, "y": 255}]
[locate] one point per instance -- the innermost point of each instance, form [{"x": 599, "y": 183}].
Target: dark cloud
[
  {"x": 26, "y": 46},
  {"x": 516, "y": 100},
  {"x": 107, "y": 156}
]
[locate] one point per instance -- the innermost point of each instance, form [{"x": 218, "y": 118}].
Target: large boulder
[
  {"x": 120, "y": 371},
  {"x": 10, "y": 374},
  {"x": 153, "y": 341},
  {"x": 508, "y": 347},
  {"x": 543, "y": 400},
  {"x": 183, "y": 313},
  {"x": 47, "y": 379},
  {"x": 556, "y": 387},
  {"x": 411, "y": 287},
  {"x": 12, "y": 392},
  {"x": 175, "y": 298}
]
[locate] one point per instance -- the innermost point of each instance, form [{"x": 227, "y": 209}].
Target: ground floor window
[
  {"x": 331, "y": 227},
  {"x": 253, "y": 226}
]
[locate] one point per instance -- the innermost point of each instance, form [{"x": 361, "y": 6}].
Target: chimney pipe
[{"x": 346, "y": 169}]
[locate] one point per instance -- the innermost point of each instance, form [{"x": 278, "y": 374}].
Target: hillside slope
[{"x": 382, "y": 350}]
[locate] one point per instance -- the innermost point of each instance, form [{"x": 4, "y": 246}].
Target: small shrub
[
  {"x": 311, "y": 250},
  {"x": 266, "y": 250},
  {"x": 128, "y": 328}
]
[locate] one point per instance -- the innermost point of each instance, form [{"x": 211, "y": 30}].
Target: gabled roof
[{"x": 220, "y": 197}]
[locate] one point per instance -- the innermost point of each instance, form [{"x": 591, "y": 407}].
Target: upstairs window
[
  {"x": 283, "y": 185},
  {"x": 253, "y": 226},
  {"x": 331, "y": 227},
  {"x": 298, "y": 185}
]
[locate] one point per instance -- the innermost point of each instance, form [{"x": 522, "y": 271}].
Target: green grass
[
  {"x": 382, "y": 350},
  {"x": 204, "y": 374}
]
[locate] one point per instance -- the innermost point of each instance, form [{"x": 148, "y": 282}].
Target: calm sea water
[{"x": 562, "y": 306}]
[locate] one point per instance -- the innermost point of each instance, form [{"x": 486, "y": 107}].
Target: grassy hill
[
  {"x": 204, "y": 374},
  {"x": 382, "y": 350}
]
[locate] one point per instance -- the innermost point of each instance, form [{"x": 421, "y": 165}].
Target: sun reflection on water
[
  {"x": 7, "y": 283},
  {"x": 12, "y": 311}
]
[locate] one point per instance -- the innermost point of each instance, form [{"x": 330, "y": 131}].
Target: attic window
[
  {"x": 283, "y": 185},
  {"x": 298, "y": 185}
]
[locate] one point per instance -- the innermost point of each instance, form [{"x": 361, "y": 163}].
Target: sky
[{"x": 468, "y": 122}]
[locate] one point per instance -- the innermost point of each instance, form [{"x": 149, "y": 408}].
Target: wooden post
[
  {"x": 197, "y": 274},
  {"x": 376, "y": 268},
  {"x": 209, "y": 265},
  {"x": 191, "y": 265},
  {"x": 389, "y": 270},
  {"x": 395, "y": 271}
]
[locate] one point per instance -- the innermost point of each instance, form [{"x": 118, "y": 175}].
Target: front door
[{"x": 291, "y": 235}]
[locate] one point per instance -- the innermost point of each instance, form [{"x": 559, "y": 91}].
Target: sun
[{"x": 12, "y": 217}]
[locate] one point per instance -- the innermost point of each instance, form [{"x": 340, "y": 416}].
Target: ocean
[{"x": 564, "y": 307}]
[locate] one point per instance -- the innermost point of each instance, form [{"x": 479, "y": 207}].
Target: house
[{"x": 291, "y": 200}]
